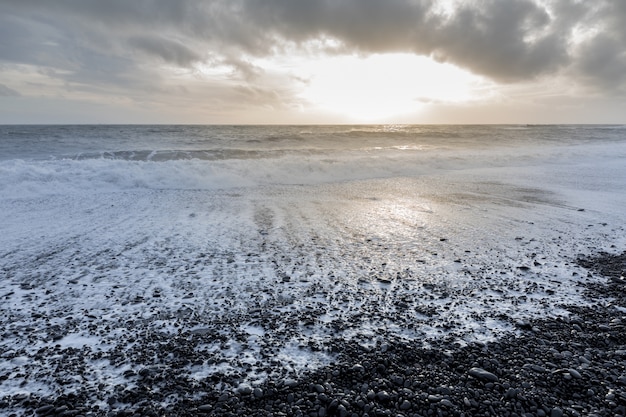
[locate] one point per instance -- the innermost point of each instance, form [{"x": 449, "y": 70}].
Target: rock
[
  {"x": 574, "y": 373},
  {"x": 44, "y": 409},
  {"x": 405, "y": 405},
  {"x": 21, "y": 397},
  {"x": 397, "y": 379},
  {"x": 483, "y": 375},
  {"x": 447, "y": 403},
  {"x": 319, "y": 388},
  {"x": 244, "y": 389},
  {"x": 205, "y": 408},
  {"x": 258, "y": 392},
  {"x": 556, "y": 412},
  {"x": 290, "y": 382},
  {"x": 511, "y": 393},
  {"x": 383, "y": 396},
  {"x": 358, "y": 368},
  {"x": 538, "y": 368}
]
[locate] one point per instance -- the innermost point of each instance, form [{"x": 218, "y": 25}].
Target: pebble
[
  {"x": 289, "y": 382},
  {"x": 44, "y": 409},
  {"x": 319, "y": 388},
  {"x": 483, "y": 375},
  {"x": 383, "y": 396},
  {"x": 447, "y": 403},
  {"x": 556, "y": 412},
  {"x": 244, "y": 389},
  {"x": 511, "y": 393},
  {"x": 358, "y": 368}
]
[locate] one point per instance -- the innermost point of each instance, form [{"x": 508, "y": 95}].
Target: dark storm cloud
[
  {"x": 368, "y": 25},
  {"x": 508, "y": 41},
  {"x": 601, "y": 59}
]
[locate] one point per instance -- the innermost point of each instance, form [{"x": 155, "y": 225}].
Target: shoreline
[{"x": 571, "y": 366}]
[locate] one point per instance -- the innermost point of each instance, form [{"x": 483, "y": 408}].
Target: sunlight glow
[{"x": 379, "y": 87}]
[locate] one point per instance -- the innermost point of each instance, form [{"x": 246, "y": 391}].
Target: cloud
[
  {"x": 169, "y": 50},
  {"x": 243, "y": 69},
  {"x": 7, "y": 92},
  {"x": 603, "y": 62},
  {"x": 601, "y": 56},
  {"x": 507, "y": 40},
  {"x": 119, "y": 43}
]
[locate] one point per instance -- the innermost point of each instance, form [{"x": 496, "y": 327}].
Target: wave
[
  {"x": 113, "y": 158},
  {"x": 175, "y": 155},
  {"x": 231, "y": 168},
  {"x": 20, "y": 178}
]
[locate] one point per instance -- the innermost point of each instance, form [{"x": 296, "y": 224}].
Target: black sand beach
[{"x": 561, "y": 367}]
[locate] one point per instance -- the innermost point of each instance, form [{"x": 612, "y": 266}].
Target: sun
[{"x": 382, "y": 87}]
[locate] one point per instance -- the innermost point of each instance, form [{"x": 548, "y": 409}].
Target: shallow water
[{"x": 281, "y": 239}]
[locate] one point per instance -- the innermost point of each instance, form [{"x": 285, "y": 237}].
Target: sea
[{"x": 270, "y": 243}]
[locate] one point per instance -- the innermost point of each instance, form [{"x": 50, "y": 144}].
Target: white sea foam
[
  {"x": 21, "y": 178},
  {"x": 271, "y": 258}
]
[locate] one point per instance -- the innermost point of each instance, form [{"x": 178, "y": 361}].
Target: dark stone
[
  {"x": 556, "y": 412},
  {"x": 383, "y": 396},
  {"x": 44, "y": 409},
  {"x": 244, "y": 389},
  {"x": 483, "y": 375},
  {"x": 319, "y": 388}
]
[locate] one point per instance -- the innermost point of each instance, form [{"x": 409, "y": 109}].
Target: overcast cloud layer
[{"x": 118, "y": 48}]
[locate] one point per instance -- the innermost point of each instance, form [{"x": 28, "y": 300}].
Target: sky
[{"x": 312, "y": 61}]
